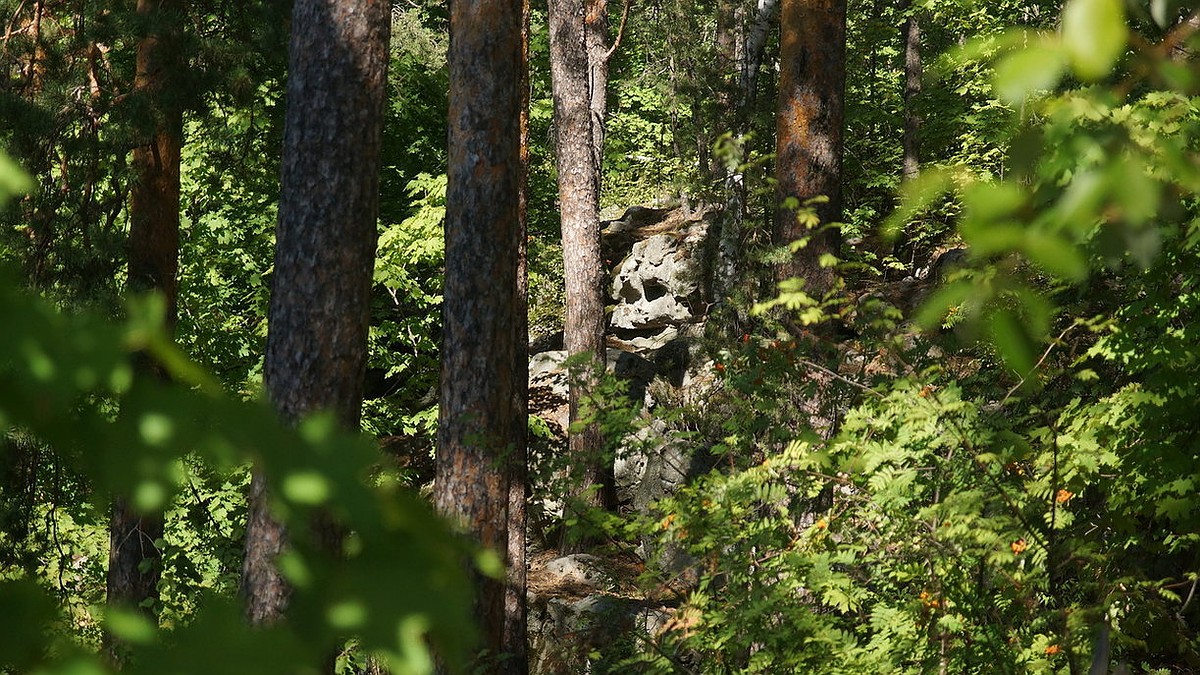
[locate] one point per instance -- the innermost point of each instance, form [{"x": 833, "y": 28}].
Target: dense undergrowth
[{"x": 1001, "y": 480}]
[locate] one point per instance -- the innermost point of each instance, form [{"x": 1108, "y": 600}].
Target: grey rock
[
  {"x": 579, "y": 569},
  {"x": 656, "y": 286}
]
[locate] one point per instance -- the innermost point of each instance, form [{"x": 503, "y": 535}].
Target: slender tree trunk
[
  {"x": 514, "y": 641},
  {"x": 481, "y": 431},
  {"x": 42, "y": 230},
  {"x": 134, "y": 560},
  {"x": 756, "y": 42},
  {"x": 740, "y": 44},
  {"x": 912, "y": 89},
  {"x": 325, "y": 245},
  {"x": 812, "y": 82},
  {"x": 579, "y": 77}
]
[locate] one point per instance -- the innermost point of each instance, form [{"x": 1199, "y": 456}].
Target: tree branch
[{"x": 620, "y": 30}]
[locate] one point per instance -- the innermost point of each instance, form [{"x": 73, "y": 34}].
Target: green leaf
[
  {"x": 987, "y": 202},
  {"x": 986, "y": 239},
  {"x": 1094, "y": 35},
  {"x": 1013, "y": 341},
  {"x": 29, "y": 609},
  {"x": 307, "y": 487},
  {"x": 1055, "y": 255},
  {"x": 156, "y": 428},
  {"x": 489, "y": 563},
  {"x": 1135, "y": 191},
  {"x": 129, "y": 626},
  {"x": 917, "y": 195},
  {"x": 931, "y": 314},
  {"x": 13, "y": 181},
  {"x": 347, "y": 615},
  {"x": 149, "y": 496},
  {"x": 1028, "y": 71}
]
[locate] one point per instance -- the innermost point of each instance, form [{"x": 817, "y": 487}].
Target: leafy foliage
[
  {"x": 69, "y": 383},
  {"x": 1004, "y": 481}
]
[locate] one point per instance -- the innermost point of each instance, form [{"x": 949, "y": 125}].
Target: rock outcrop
[{"x": 659, "y": 290}]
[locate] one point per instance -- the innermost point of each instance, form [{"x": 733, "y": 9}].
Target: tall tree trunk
[
  {"x": 325, "y": 244},
  {"x": 812, "y": 82},
  {"x": 741, "y": 40},
  {"x": 514, "y": 641},
  {"x": 579, "y": 78},
  {"x": 481, "y": 431},
  {"x": 729, "y": 50},
  {"x": 912, "y": 89},
  {"x": 756, "y": 42},
  {"x": 134, "y": 560}
]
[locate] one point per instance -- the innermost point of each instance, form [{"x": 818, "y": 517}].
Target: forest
[{"x": 577, "y": 336}]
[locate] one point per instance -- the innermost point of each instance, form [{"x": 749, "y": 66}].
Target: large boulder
[
  {"x": 579, "y": 604},
  {"x": 659, "y": 268}
]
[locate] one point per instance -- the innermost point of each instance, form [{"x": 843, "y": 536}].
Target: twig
[
  {"x": 839, "y": 376},
  {"x": 1045, "y": 355},
  {"x": 1180, "y": 34},
  {"x": 8, "y": 33},
  {"x": 1188, "y": 601},
  {"x": 620, "y": 30}
]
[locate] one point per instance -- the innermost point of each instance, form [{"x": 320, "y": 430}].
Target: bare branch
[{"x": 620, "y": 30}]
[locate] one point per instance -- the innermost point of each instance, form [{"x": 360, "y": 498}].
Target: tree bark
[
  {"x": 514, "y": 641},
  {"x": 756, "y": 42},
  {"x": 812, "y": 82},
  {"x": 740, "y": 45},
  {"x": 481, "y": 428},
  {"x": 579, "y": 79},
  {"x": 325, "y": 245},
  {"x": 912, "y": 89},
  {"x": 134, "y": 560}
]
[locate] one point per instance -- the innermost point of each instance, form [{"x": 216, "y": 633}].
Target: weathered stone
[
  {"x": 657, "y": 260},
  {"x": 564, "y": 633},
  {"x": 579, "y": 569}
]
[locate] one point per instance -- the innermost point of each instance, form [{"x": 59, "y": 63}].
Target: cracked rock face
[{"x": 655, "y": 286}]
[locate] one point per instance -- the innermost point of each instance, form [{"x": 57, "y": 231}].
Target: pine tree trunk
[
  {"x": 912, "y": 89},
  {"x": 578, "y": 73},
  {"x": 481, "y": 425},
  {"x": 812, "y": 81},
  {"x": 515, "y": 644},
  {"x": 134, "y": 560},
  {"x": 325, "y": 244}
]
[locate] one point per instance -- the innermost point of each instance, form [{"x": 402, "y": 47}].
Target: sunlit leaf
[
  {"x": 1012, "y": 341},
  {"x": 1094, "y": 34},
  {"x": 1026, "y": 72},
  {"x": 130, "y": 626},
  {"x": 306, "y": 487}
]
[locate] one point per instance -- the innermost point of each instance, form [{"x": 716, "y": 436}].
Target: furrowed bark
[
  {"x": 481, "y": 428},
  {"x": 325, "y": 245},
  {"x": 579, "y": 74},
  {"x": 912, "y": 89},
  {"x": 812, "y": 83}
]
